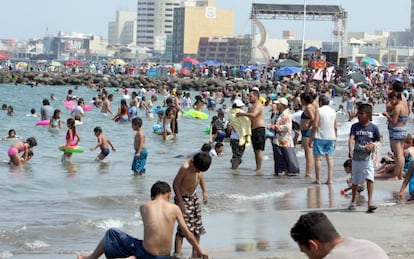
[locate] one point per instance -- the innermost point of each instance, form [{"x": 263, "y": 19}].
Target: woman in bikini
[
  {"x": 397, "y": 115},
  {"x": 306, "y": 122},
  {"x": 18, "y": 147}
]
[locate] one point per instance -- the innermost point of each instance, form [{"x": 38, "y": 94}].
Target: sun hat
[
  {"x": 282, "y": 100},
  {"x": 238, "y": 103}
]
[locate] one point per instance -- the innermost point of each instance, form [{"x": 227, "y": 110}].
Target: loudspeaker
[
  {"x": 343, "y": 62},
  {"x": 331, "y": 57}
]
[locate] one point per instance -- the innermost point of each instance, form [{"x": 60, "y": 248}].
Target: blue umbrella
[
  {"x": 250, "y": 67},
  {"x": 285, "y": 71},
  {"x": 211, "y": 62}
]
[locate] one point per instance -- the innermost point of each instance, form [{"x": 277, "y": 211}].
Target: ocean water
[{"x": 51, "y": 209}]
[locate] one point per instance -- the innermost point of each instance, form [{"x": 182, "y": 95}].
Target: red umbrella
[
  {"x": 393, "y": 67},
  {"x": 2, "y": 56},
  {"x": 75, "y": 62},
  {"x": 190, "y": 59}
]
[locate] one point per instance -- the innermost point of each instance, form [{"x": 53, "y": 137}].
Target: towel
[{"x": 242, "y": 126}]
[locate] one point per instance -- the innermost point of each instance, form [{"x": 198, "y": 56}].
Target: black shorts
[{"x": 258, "y": 138}]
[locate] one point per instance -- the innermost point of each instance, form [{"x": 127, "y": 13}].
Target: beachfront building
[
  {"x": 154, "y": 23},
  {"x": 203, "y": 19},
  {"x": 66, "y": 46},
  {"x": 385, "y": 46},
  {"x": 230, "y": 50},
  {"x": 123, "y": 30}
]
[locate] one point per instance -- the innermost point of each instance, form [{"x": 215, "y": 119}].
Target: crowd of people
[{"x": 304, "y": 113}]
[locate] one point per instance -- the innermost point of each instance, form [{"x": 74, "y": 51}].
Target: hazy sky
[{"x": 23, "y": 19}]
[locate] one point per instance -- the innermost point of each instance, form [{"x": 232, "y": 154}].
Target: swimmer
[
  {"x": 32, "y": 113},
  {"x": 21, "y": 146},
  {"x": 72, "y": 138},
  {"x": 103, "y": 143},
  {"x": 11, "y": 136}
]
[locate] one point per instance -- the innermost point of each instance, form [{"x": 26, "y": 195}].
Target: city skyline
[{"x": 29, "y": 19}]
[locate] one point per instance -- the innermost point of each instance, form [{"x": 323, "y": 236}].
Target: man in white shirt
[{"x": 323, "y": 137}]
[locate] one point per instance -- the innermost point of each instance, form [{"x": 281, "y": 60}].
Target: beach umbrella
[
  {"x": 2, "y": 57},
  {"x": 213, "y": 63},
  {"x": 21, "y": 64},
  {"x": 393, "y": 67},
  {"x": 190, "y": 60},
  {"x": 311, "y": 49},
  {"x": 74, "y": 62},
  {"x": 285, "y": 71},
  {"x": 357, "y": 77},
  {"x": 288, "y": 63},
  {"x": 55, "y": 63},
  {"x": 116, "y": 62},
  {"x": 368, "y": 61}
]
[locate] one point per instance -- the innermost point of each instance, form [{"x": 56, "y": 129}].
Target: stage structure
[{"x": 329, "y": 13}]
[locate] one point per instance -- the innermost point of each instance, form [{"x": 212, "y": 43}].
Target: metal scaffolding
[{"x": 332, "y": 13}]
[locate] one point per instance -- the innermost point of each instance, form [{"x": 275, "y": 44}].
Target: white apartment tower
[
  {"x": 155, "y": 21},
  {"x": 123, "y": 29}
]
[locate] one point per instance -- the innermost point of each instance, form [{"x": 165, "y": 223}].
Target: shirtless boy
[
  {"x": 185, "y": 184},
  {"x": 141, "y": 153},
  {"x": 106, "y": 104},
  {"x": 159, "y": 217},
  {"x": 103, "y": 143},
  {"x": 256, "y": 115}
]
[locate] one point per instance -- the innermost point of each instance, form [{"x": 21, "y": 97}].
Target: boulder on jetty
[{"x": 119, "y": 81}]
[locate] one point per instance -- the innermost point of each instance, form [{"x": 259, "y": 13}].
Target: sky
[{"x": 24, "y": 19}]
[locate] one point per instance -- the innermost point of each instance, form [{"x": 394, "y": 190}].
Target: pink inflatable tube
[
  {"x": 43, "y": 123},
  {"x": 70, "y": 105},
  {"x": 87, "y": 107}
]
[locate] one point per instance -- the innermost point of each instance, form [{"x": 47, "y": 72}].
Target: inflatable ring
[
  {"x": 196, "y": 114},
  {"x": 71, "y": 149},
  {"x": 43, "y": 123},
  {"x": 157, "y": 129},
  {"x": 70, "y": 105},
  {"x": 87, "y": 107}
]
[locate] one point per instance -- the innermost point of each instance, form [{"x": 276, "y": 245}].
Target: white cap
[
  {"x": 282, "y": 100},
  {"x": 238, "y": 103},
  {"x": 256, "y": 89}
]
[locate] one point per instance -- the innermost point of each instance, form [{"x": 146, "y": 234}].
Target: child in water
[
  {"x": 11, "y": 136},
  {"x": 141, "y": 153},
  {"x": 18, "y": 147},
  {"x": 72, "y": 138},
  {"x": 103, "y": 144},
  {"x": 55, "y": 120}
]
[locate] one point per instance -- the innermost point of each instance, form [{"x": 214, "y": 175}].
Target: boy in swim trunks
[
  {"x": 103, "y": 143},
  {"x": 141, "y": 153},
  {"x": 158, "y": 217},
  {"x": 185, "y": 184}
]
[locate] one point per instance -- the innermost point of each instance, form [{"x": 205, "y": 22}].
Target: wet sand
[{"x": 266, "y": 234}]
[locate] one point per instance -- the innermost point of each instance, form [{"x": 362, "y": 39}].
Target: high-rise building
[
  {"x": 123, "y": 29},
  {"x": 412, "y": 22},
  {"x": 203, "y": 19},
  {"x": 154, "y": 22}
]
